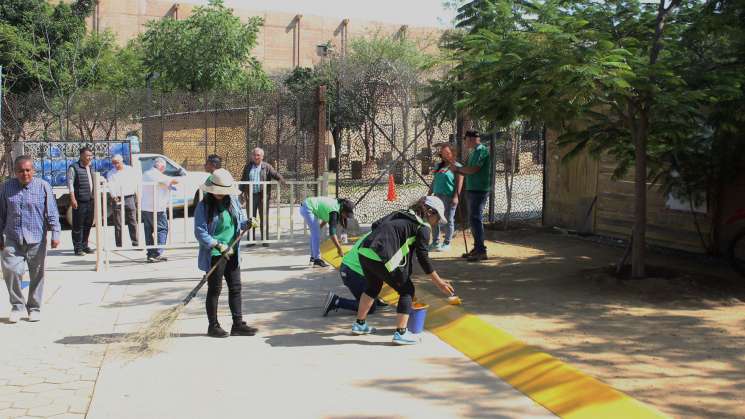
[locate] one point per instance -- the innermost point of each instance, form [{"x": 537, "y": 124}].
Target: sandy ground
[{"x": 677, "y": 344}]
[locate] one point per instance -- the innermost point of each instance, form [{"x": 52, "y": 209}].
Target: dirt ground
[{"x": 675, "y": 343}]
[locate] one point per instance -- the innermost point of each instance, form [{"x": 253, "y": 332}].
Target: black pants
[
  {"x": 82, "y": 220},
  {"x": 258, "y": 210},
  {"x": 130, "y": 219},
  {"x": 376, "y": 274},
  {"x": 232, "y": 274}
]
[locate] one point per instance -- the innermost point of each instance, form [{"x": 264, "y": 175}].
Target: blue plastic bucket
[{"x": 417, "y": 316}]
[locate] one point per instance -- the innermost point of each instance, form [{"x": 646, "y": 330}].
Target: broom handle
[{"x": 223, "y": 258}]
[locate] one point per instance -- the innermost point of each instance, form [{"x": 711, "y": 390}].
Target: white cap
[
  {"x": 117, "y": 157},
  {"x": 436, "y": 204}
]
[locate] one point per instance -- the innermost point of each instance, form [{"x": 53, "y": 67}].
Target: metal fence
[{"x": 280, "y": 212}]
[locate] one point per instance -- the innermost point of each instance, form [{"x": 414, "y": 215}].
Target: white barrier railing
[{"x": 280, "y": 218}]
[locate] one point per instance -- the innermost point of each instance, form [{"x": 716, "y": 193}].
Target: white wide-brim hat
[
  {"x": 436, "y": 204},
  {"x": 221, "y": 182}
]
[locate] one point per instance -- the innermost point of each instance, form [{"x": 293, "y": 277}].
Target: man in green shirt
[{"x": 478, "y": 185}]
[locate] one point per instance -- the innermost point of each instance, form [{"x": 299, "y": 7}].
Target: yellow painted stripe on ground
[{"x": 560, "y": 388}]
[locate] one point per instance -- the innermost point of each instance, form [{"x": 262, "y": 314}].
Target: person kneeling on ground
[
  {"x": 218, "y": 220},
  {"x": 353, "y": 278},
  {"x": 385, "y": 256},
  {"x": 329, "y": 211}
]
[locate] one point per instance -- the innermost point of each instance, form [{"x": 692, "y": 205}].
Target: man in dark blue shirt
[{"x": 28, "y": 211}]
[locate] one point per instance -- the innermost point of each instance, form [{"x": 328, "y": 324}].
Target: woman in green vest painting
[
  {"x": 353, "y": 278},
  {"x": 386, "y": 256},
  {"x": 318, "y": 211}
]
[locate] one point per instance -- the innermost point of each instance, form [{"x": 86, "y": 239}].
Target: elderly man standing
[
  {"x": 123, "y": 181},
  {"x": 80, "y": 185},
  {"x": 28, "y": 211},
  {"x": 257, "y": 170},
  {"x": 155, "y": 197}
]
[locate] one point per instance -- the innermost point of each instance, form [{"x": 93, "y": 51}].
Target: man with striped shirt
[{"x": 28, "y": 211}]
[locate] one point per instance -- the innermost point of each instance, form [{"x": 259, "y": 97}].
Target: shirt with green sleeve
[
  {"x": 352, "y": 257},
  {"x": 322, "y": 206},
  {"x": 224, "y": 231},
  {"x": 481, "y": 180}
]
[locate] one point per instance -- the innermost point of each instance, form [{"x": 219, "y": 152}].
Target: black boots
[
  {"x": 242, "y": 329},
  {"x": 215, "y": 331}
]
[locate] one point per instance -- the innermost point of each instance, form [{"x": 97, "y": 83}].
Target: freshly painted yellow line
[{"x": 560, "y": 388}]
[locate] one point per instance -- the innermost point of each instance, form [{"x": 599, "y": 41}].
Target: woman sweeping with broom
[
  {"x": 386, "y": 256},
  {"x": 218, "y": 221}
]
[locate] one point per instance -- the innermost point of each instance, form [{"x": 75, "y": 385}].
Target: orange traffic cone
[{"x": 391, "y": 189}]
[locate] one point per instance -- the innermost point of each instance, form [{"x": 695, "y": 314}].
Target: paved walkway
[{"x": 299, "y": 365}]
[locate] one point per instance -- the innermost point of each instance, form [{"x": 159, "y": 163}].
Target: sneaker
[
  {"x": 215, "y": 331},
  {"x": 362, "y": 329},
  {"x": 34, "y": 316},
  {"x": 249, "y": 245},
  {"x": 89, "y": 250},
  {"x": 329, "y": 303},
  {"x": 14, "y": 316},
  {"x": 264, "y": 244},
  {"x": 380, "y": 303},
  {"x": 320, "y": 262},
  {"x": 433, "y": 247},
  {"x": 161, "y": 258},
  {"x": 407, "y": 338},
  {"x": 242, "y": 329},
  {"x": 468, "y": 254},
  {"x": 477, "y": 257},
  {"x": 444, "y": 248},
  {"x": 152, "y": 259},
  {"x": 80, "y": 253}
]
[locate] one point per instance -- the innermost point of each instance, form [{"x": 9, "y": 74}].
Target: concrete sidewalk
[{"x": 299, "y": 365}]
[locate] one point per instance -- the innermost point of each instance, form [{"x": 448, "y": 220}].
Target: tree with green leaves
[
  {"x": 614, "y": 77},
  {"x": 209, "y": 50}
]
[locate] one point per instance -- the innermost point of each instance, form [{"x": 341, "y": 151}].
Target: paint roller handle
[{"x": 443, "y": 285}]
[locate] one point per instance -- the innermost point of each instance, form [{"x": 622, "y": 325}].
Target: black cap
[
  {"x": 346, "y": 206},
  {"x": 472, "y": 133}
]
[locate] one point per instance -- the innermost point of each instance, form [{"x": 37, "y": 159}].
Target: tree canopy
[{"x": 211, "y": 49}]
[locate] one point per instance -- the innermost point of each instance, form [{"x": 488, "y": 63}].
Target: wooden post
[
  {"x": 319, "y": 151},
  {"x": 97, "y": 219}
]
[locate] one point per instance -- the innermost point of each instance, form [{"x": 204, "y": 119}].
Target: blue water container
[{"x": 417, "y": 316}]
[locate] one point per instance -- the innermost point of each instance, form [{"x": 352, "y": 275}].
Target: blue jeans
[
  {"x": 476, "y": 203},
  {"x": 450, "y": 216},
  {"x": 356, "y": 284},
  {"x": 147, "y": 220},
  {"x": 315, "y": 231}
]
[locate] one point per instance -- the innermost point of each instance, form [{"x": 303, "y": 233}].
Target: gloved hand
[
  {"x": 253, "y": 222},
  {"x": 224, "y": 249}
]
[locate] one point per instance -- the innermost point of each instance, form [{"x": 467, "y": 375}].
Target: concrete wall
[{"x": 276, "y": 47}]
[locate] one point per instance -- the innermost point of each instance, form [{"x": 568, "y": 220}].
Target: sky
[{"x": 430, "y": 13}]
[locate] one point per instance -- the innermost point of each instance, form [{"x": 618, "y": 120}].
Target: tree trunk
[{"x": 640, "y": 196}]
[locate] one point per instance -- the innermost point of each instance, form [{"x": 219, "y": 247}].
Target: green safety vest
[
  {"x": 395, "y": 261},
  {"x": 322, "y": 206},
  {"x": 352, "y": 258}
]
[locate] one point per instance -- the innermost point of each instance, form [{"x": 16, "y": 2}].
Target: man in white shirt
[
  {"x": 80, "y": 185},
  {"x": 155, "y": 196},
  {"x": 123, "y": 182}
]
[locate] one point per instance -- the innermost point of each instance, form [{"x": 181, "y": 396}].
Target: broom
[{"x": 161, "y": 323}]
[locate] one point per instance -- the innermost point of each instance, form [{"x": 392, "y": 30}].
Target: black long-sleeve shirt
[{"x": 391, "y": 232}]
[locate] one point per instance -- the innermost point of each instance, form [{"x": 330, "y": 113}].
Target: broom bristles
[{"x": 159, "y": 328}]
